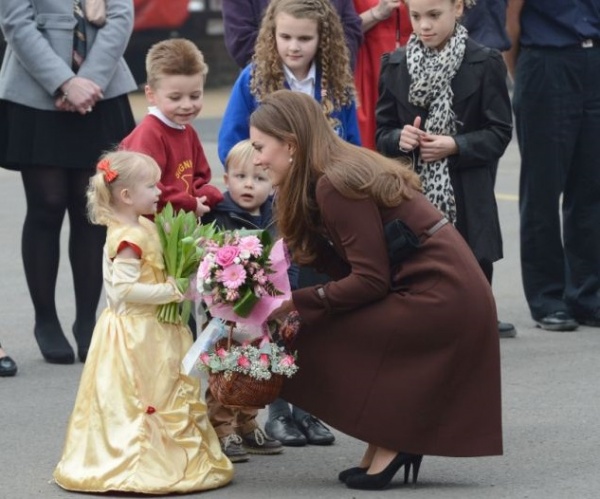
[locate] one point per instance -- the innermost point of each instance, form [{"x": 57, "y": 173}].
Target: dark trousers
[{"x": 557, "y": 109}]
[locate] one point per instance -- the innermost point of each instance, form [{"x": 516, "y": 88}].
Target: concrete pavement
[{"x": 551, "y": 393}]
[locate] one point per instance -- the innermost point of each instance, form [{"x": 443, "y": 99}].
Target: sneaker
[
  {"x": 257, "y": 442},
  {"x": 233, "y": 448}
]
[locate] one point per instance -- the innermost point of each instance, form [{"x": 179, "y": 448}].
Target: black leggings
[{"x": 50, "y": 192}]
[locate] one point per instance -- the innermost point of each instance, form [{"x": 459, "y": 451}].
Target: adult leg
[
  {"x": 85, "y": 253},
  {"x": 46, "y": 194},
  {"x": 547, "y": 110},
  {"x": 581, "y": 202},
  {"x": 505, "y": 329}
]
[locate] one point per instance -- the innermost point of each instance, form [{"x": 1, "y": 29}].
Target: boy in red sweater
[{"x": 176, "y": 73}]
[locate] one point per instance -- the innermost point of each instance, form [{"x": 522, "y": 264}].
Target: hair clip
[{"x": 109, "y": 174}]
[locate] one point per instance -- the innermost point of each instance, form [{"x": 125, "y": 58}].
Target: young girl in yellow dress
[{"x": 138, "y": 424}]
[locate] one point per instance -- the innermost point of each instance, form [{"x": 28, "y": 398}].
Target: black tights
[{"x": 50, "y": 192}]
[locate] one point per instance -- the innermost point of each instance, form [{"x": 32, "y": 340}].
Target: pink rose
[
  {"x": 263, "y": 360},
  {"x": 226, "y": 255},
  {"x": 287, "y": 361},
  {"x": 222, "y": 353},
  {"x": 244, "y": 362},
  {"x": 204, "y": 358}
]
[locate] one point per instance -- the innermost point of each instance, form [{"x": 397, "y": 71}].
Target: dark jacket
[
  {"x": 484, "y": 120},
  {"x": 228, "y": 215},
  {"x": 486, "y": 23}
]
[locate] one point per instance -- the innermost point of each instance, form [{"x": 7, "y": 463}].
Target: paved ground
[{"x": 551, "y": 393}]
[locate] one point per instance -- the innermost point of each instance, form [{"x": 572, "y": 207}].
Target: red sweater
[{"x": 178, "y": 152}]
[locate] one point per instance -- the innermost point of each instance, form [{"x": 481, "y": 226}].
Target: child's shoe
[
  {"x": 257, "y": 442},
  {"x": 232, "y": 447}
]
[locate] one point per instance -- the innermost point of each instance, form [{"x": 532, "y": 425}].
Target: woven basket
[{"x": 240, "y": 390}]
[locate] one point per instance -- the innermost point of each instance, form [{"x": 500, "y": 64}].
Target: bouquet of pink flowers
[{"x": 242, "y": 276}]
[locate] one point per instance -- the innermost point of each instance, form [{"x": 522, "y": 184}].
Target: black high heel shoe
[
  {"x": 54, "y": 346},
  {"x": 378, "y": 481},
  {"x": 83, "y": 337},
  {"x": 345, "y": 474}
]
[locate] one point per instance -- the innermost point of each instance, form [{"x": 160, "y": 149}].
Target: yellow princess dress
[{"x": 138, "y": 424}]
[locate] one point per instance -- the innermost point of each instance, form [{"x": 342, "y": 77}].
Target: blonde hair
[
  {"x": 240, "y": 154},
  {"x": 130, "y": 168},
  {"x": 332, "y": 57},
  {"x": 176, "y": 56},
  {"x": 357, "y": 173}
]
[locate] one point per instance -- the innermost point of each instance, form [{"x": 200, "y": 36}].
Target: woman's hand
[
  {"x": 285, "y": 308},
  {"x": 81, "y": 93}
]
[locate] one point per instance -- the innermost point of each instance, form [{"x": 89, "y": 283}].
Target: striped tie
[{"x": 79, "y": 42}]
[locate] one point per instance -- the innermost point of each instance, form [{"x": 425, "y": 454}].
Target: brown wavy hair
[
  {"x": 357, "y": 173},
  {"x": 332, "y": 57}
]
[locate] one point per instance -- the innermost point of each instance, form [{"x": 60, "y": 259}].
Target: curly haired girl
[{"x": 300, "y": 46}]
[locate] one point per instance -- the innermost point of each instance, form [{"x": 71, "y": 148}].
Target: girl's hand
[
  {"x": 280, "y": 313},
  {"x": 410, "y": 136},
  {"x": 436, "y": 147},
  {"x": 171, "y": 280},
  {"x": 81, "y": 93}
]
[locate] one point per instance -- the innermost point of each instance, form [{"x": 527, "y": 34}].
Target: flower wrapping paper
[{"x": 267, "y": 304}]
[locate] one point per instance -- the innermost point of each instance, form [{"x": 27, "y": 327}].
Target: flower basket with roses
[{"x": 249, "y": 374}]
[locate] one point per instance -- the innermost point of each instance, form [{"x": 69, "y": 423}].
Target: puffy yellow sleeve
[{"x": 127, "y": 288}]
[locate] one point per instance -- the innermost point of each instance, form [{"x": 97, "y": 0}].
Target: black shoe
[
  {"x": 557, "y": 321},
  {"x": 284, "y": 429},
  {"x": 83, "y": 337},
  {"x": 506, "y": 330},
  {"x": 357, "y": 470},
  {"x": 8, "y": 367},
  {"x": 589, "y": 320},
  {"x": 316, "y": 433},
  {"x": 379, "y": 481},
  {"x": 54, "y": 346}
]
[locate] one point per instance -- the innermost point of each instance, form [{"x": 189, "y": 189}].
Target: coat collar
[{"x": 463, "y": 84}]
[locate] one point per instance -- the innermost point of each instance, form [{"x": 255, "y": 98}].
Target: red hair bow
[{"x": 109, "y": 173}]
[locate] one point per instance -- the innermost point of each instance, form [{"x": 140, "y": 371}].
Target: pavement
[{"x": 551, "y": 392}]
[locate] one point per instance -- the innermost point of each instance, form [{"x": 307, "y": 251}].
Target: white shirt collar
[
  {"x": 307, "y": 85},
  {"x": 154, "y": 111}
]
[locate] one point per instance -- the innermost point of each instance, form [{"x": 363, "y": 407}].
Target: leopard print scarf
[{"x": 431, "y": 73}]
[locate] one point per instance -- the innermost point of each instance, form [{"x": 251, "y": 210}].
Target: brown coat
[{"x": 415, "y": 370}]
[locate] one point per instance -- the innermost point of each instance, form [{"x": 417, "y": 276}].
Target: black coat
[{"x": 484, "y": 127}]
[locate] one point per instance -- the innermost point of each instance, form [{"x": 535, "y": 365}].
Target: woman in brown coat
[{"x": 403, "y": 357}]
